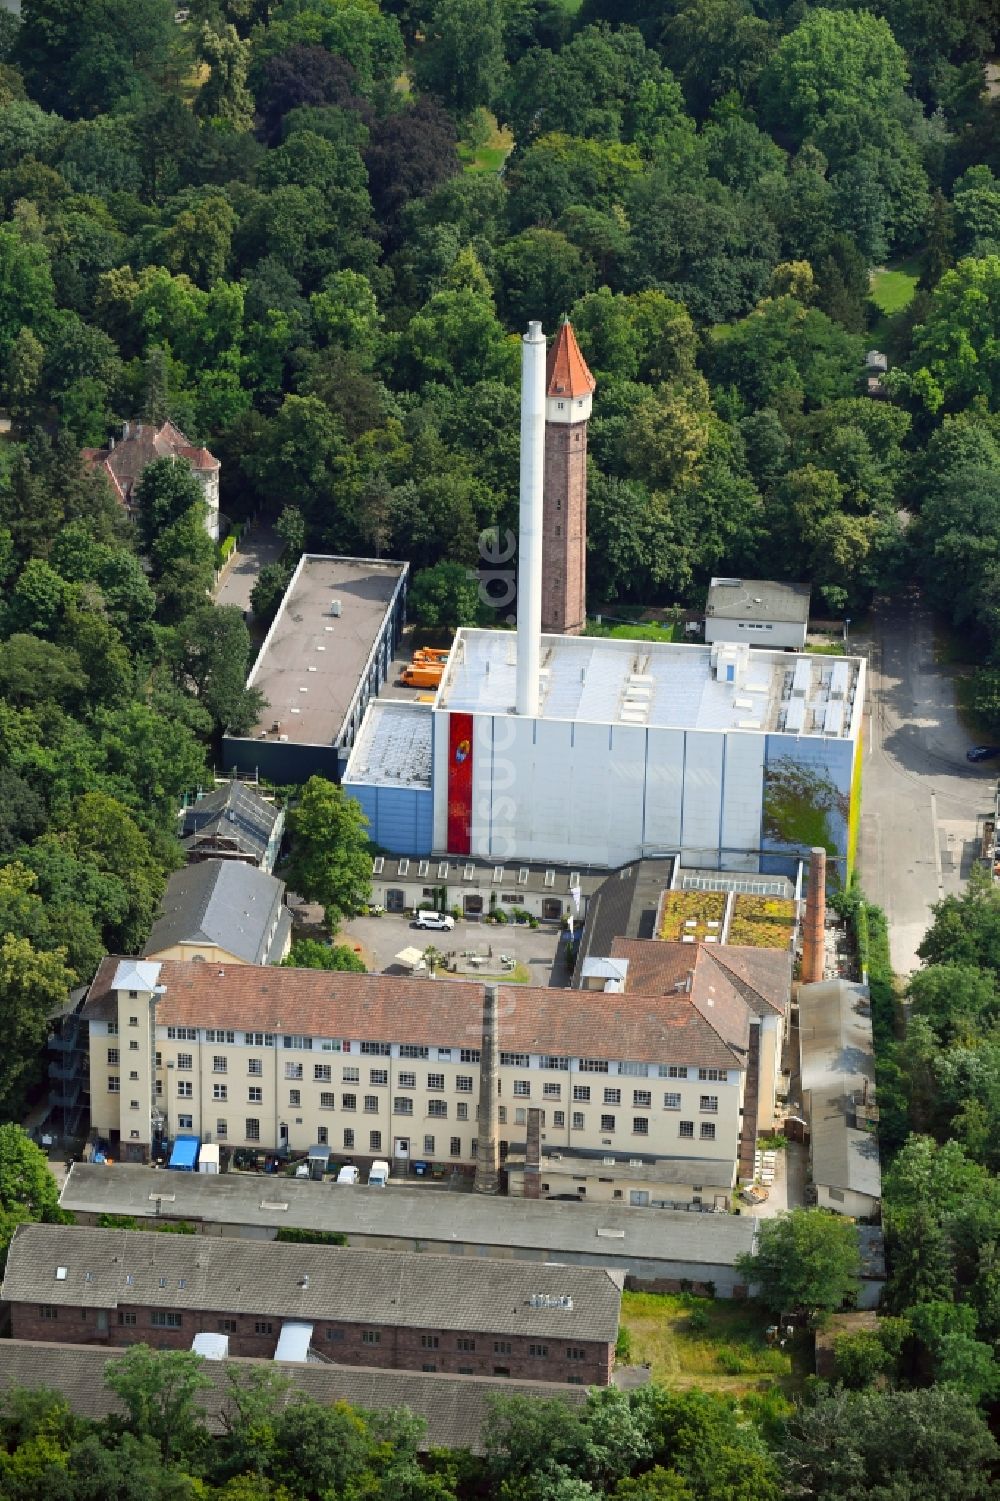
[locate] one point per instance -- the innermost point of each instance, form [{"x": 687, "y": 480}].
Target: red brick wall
[
  {"x": 396, "y": 1349},
  {"x": 564, "y": 529}
]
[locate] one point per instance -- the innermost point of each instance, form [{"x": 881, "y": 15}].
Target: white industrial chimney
[{"x": 529, "y": 550}]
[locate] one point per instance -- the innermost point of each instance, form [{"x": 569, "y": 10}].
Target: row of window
[
  {"x": 251, "y": 1132},
  {"x": 164, "y": 1318},
  {"x": 402, "y": 1105},
  {"x": 321, "y": 1072}
]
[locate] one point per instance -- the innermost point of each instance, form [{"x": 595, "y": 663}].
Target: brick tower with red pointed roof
[{"x": 568, "y": 398}]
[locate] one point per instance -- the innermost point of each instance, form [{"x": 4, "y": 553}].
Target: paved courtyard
[{"x": 538, "y": 949}]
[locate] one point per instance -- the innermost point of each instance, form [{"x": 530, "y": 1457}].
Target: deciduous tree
[
  {"x": 330, "y": 861},
  {"x": 806, "y": 1259}
]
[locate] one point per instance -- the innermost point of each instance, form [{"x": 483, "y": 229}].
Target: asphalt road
[
  {"x": 920, "y": 797},
  {"x": 257, "y": 548}
]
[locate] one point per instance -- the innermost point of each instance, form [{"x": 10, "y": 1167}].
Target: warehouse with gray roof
[{"x": 645, "y": 1245}]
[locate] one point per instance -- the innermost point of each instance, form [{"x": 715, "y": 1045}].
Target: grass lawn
[
  {"x": 635, "y": 632},
  {"x": 490, "y": 156},
  {"x": 892, "y": 290},
  {"x": 714, "y": 1343}
]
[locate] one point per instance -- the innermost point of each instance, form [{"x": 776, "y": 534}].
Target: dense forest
[{"x": 309, "y": 232}]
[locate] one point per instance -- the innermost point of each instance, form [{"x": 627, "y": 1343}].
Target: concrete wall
[
  {"x": 845, "y": 1201},
  {"x": 771, "y": 1033},
  {"x": 207, "y": 951},
  {"x": 599, "y": 1184},
  {"x": 775, "y": 635}
]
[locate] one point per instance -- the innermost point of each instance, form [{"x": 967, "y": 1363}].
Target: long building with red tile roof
[{"x": 377, "y": 1065}]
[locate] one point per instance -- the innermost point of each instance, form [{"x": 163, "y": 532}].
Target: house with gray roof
[
  {"x": 222, "y": 911},
  {"x": 233, "y": 822},
  {"x": 357, "y": 1307},
  {"x": 757, "y": 612}
]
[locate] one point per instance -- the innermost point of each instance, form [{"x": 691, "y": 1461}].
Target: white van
[
  {"x": 378, "y": 1176},
  {"x": 347, "y": 1175}
]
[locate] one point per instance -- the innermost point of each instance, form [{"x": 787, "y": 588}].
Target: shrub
[
  {"x": 623, "y": 1345},
  {"x": 292, "y": 1234}
]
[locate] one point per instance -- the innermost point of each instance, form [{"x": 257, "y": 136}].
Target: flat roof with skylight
[
  {"x": 758, "y": 599},
  {"x": 315, "y": 656},
  {"x": 393, "y": 747},
  {"x": 658, "y": 685}
]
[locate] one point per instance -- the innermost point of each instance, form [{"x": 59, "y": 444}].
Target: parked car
[
  {"x": 378, "y": 1175},
  {"x": 982, "y": 753},
  {"x": 348, "y": 1174},
  {"x": 440, "y": 920}
]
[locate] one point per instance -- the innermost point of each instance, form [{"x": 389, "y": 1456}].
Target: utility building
[
  {"x": 757, "y": 611},
  {"x": 547, "y": 746}
]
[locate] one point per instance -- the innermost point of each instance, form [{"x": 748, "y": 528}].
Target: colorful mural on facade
[{"x": 460, "y": 784}]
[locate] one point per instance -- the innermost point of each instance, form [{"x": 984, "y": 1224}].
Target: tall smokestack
[
  {"x": 529, "y": 550},
  {"x": 487, "y": 1180},
  {"x": 533, "y": 1155},
  {"x": 813, "y": 941}
]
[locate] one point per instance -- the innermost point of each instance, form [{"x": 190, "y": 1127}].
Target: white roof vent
[{"x": 61, "y": 1273}]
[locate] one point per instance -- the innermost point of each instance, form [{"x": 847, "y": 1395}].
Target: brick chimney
[
  {"x": 533, "y": 1155},
  {"x": 813, "y": 943},
  {"x": 568, "y": 400},
  {"x": 487, "y": 1180}
]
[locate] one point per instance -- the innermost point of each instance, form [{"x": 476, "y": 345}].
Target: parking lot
[{"x": 537, "y": 949}]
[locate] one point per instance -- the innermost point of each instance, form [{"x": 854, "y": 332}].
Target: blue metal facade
[{"x": 400, "y": 819}]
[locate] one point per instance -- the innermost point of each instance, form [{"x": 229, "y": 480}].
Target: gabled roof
[
  {"x": 580, "y": 1233},
  {"x": 725, "y": 987},
  {"x": 78, "y": 1267},
  {"x": 234, "y": 812},
  {"x": 454, "y": 1407},
  {"x": 838, "y": 1066},
  {"x": 623, "y": 906},
  {"x": 566, "y": 372},
  {"x": 761, "y": 978},
  {"x": 221, "y": 902},
  {"x": 656, "y": 1028},
  {"x": 124, "y": 461}
]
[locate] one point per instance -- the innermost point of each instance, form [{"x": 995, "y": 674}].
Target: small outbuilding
[{"x": 758, "y": 612}]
